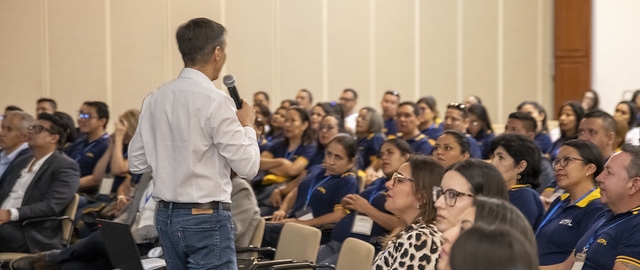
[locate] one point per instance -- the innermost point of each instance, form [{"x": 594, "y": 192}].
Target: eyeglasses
[
  {"x": 85, "y": 116},
  {"x": 37, "y": 129},
  {"x": 564, "y": 161},
  {"x": 325, "y": 128},
  {"x": 393, "y": 93},
  {"x": 399, "y": 178},
  {"x": 456, "y": 105},
  {"x": 450, "y": 195}
]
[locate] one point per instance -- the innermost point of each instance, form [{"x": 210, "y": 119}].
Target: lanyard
[
  {"x": 314, "y": 188},
  {"x": 550, "y": 215},
  {"x": 288, "y": 155},
  {"x": 596, "y": 233}
]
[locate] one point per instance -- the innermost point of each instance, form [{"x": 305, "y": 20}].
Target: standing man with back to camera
[{"x": 190, "y": 138}]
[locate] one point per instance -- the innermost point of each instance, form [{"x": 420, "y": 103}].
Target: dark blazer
[
  {"x": 48, "y": 194},
  {"x": 23, "y": 152}
]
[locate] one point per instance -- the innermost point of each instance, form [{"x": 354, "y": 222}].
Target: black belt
[{"x": 210, "y": 205}]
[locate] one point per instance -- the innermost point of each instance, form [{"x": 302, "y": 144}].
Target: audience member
[
  {"x": 330, "y": 126},
  {"x": 574, "y": 212},
  {"x": 316, "y": 201},
  {"x": 276, "y": 131},
  {"x": 11, "y": 108},
  {"x": 590, "y": 101},
  {"x": 370, "y": 137},
  {"x": 349, "y": 101},
  {"x": 480, "y": 128},
  {"x": 518, "y": 160},
  {"x": 287, "y": 103},
  {"x": 263, "y": 114},
  {"x": 321, "y": 109},
  {"x": 622, "y": 128},
  {"x": 569, "y": 117},
  {"x": 285, "y": 159},
  {"x": 636, "y": 100},
  {"x": 367, "y": 208},
  {"x": 599, "y": 128},
  {"x": 539, "y": 114},
  {"x": 418, "y": 243},
  {"x": 407, "y": 120},
  {"x": 457, "y": 118},
  {"x": 261, "y": 97},
  {"x": 625, "y": 111},
  {"x": 430, "y": 124},
  {"x": 472, "y": 99},
  {"x": 37, "y": 186},
  {"x": 13, "y": 138},
  {"x": 389, "y": 104},
  {"x": 524, "y": 124},
  {"x": 613, "y": 241},
  {"x": 72, "y": 132},
  {"x": 46, "y": 105},
  {"x": 304, "y": 99},
  {"x": 86, "y": 151},
  {"x": 451, "y": 147}
]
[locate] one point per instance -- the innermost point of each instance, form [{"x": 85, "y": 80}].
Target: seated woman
[
  {"x": 542, "y": 138},
  {"x": 576, "y": 167},
  {"x": 460, "y": 184},
  {"x": 625, "y": 111},
  {"x": 316, "y": 201},
  {"x": 488, "y": 212},
  {"x": 368, "y": 205},
  {"x": 369, "y": 125},
  {"x": 321, "y": 109},
  {"x": 569, "y": 117},
  {"x": 430, "y": 124},
  {"x": 518, "y": 160},
  {"x": 419, "y": 242},
  {"x": 285, "y": 159},
  {"x": 451, "y": 147},
  {"x": 276, "y": 125},
  {"x": 480, "y": 128}
]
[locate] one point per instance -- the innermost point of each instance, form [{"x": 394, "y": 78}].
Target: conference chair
[{"x": 355, "y": 254}]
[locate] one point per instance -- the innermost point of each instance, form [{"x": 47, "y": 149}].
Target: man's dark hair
[
  {"x": 266, "y": 96},
  {"x": 58, "y": 127},
  {"x": 13, "y": 108},
  {"x": 54, "y": 105},
  {"x": 527, "y": 120},
  {"x": 607, "y": 120},
  {"x": 101, "y": 109},
  {"x": 198, "y": 39},
  {"x": 416, "y": 109},
  {"x": 353, "y": 92},
  {"x": 309, "y": 94}
]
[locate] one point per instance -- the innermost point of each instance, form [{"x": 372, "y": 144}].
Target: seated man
[
  {"x": 13, "y": 138},
  {"x": 37, "y": 186}
]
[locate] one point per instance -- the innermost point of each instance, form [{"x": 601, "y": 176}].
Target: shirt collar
[
  {"x": 13, "y": 154},
  {"x": 519, "y": 186},
  {"x": 594, "y": 194}
]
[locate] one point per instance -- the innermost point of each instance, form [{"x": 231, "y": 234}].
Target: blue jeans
[{"x": 196, "y": 241}]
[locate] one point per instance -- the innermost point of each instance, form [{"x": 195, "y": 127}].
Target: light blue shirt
[{"x": 6, "y": 159}]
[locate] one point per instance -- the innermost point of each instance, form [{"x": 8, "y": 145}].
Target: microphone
[{"x": 230, "y": 83}]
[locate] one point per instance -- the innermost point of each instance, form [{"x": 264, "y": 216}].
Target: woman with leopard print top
[{"x": 417, "y": 245}]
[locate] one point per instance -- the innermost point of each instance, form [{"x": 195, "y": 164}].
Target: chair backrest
[
  {"x": 298, "y": 242},
  {"x": 67, "y": 224},
  {"x": 256, "y": 239},
  {"x": 355, "y": 254}
]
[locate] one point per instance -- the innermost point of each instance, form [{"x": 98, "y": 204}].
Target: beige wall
[{"x": 118, "y": 51}]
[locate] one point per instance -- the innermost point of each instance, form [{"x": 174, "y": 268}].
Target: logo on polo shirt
[
  {"x": 566, "y": 222},
  {"x": 602, "y": 241}
]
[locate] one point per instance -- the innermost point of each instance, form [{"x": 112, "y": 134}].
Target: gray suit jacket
[
  {"x": 244, "y": 211},
  {"x": 48, "y": 194}
]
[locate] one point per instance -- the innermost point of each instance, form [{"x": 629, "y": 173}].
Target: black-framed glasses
[
  {"x": 37, "y": 129},
  {"x": 399, "y": 178},
  {"x": 393, "y": 93},
  {"x": 450, "y": 195},
  {"x": 456, "y": 105},
  {"x": 564, "y": 161}
]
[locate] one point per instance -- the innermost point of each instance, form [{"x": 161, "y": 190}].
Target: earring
[
  {"x": 418, "y": 206},
  {"x": 519, "y": 176},
  {"x": 588, "y": 173}
]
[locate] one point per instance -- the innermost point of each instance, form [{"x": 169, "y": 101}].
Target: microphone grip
[{"x": 233, "y": 92}]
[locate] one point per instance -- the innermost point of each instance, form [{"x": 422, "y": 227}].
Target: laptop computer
[{"x": 122, "y": 249}]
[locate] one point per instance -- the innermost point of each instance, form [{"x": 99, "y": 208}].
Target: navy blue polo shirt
[
  {"x": 420, "y": 144},
  {"x": 390, "y": 127},
  {"x": 616, "y": 238},
  {"x": 279, "y": 150},
  {"x": 484, "y": 139},
  {"x": 434, "y": 131},
  {"x": 564, "y": 224},
  {"x": 368, "y": 149},
  {"x": 474, "y": 148},
  {"x": 317, "y": 158},
  {"x": 527, "y": 200},
  {"x": 324, "y": 193},
  {"x": 374, "y": 193},
  {"x": 544, "y": 143},
  {"x": 86, "y": 153}
]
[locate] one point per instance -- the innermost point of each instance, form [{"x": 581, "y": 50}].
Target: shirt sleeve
[
  {"x": 629, "y": 250},
  {"x": 137, "y": 157}
]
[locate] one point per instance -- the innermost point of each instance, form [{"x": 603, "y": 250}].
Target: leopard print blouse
[{"x": 417, "y": 246}]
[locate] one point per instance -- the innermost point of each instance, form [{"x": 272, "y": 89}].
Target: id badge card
[
  {"x": 579, "y": 263},
  {"x": 362, "y": 225},
  {"x": 304, "y": 214}
]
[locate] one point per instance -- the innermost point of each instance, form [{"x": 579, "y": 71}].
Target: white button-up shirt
[
  {"x": 190, "y": 138},
  {"x": 14, "y": 200}
]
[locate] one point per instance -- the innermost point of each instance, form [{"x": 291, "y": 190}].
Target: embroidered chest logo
[
  {"x": 321, "y": 189},
  {"x": 566, "y": 222},
  {"x": 602, "y": 241}
]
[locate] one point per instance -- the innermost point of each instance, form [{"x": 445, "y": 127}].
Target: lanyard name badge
[
  {"x": 363, "y": 224},
  {"x": 582, "y": 256},
  {"x": 306, "y": 213}
]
